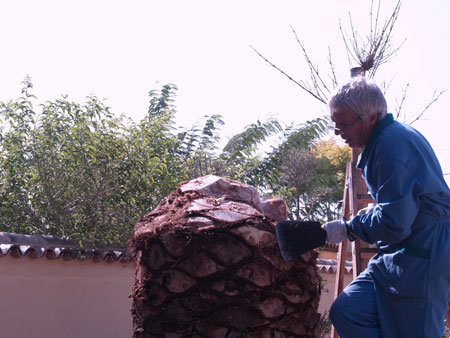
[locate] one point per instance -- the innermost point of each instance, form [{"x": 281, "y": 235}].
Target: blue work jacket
[{"x": 410, "y": 226}]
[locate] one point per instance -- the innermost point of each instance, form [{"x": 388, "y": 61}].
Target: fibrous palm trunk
[{"x": 208, "y": 265}]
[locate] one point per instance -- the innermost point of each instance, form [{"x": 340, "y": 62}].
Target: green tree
[
  {"x": 298, "y": 172},
  {"x": 198, "y": 148},
  {"x": 240, "y": 156},
  {"x": 333, "y": 158},
  {"x": 76, "y": 171}
]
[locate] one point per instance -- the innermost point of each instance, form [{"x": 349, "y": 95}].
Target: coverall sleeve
[{"x": 397, "y": 203}]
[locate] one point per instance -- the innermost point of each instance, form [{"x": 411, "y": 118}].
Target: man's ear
[{"x": 373, "y": 119}]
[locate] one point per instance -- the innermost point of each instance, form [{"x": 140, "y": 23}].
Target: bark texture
[{"x": 208, "y": 265}]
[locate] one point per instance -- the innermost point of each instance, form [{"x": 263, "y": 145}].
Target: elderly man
[{"x": 405, "y": 289}]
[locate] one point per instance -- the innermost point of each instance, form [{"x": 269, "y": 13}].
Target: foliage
[
  {"x": 198, "y": 147},
  {"x": 325, "y": 325},
  {"x": 334, "y": 158},
  {"x": 447, "y": 326},
  {"x": 241, "y": 159},
  {"x": 308, "y": 172},
  {"x": 77, "y": 171},
  {"x": 299, "y": 171}
]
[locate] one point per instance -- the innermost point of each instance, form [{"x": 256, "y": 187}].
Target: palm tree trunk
[{"x": 208, "y": 265}]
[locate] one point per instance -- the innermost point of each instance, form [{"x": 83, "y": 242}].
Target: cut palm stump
[{"x": 208, "y": 265}]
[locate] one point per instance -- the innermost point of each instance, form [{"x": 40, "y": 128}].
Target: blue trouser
[{"x": 354, "y": 312}]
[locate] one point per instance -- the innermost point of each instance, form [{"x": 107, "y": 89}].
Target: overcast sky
[{"x": 120, "y": 50}]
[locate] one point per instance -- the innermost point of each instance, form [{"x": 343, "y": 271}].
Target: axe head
[{"x": 298, "y": 237}]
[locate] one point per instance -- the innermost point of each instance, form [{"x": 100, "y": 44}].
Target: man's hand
[{"x": 336, "y": 231}]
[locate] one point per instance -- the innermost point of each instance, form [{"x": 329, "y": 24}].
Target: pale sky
[{"x": 120, "y": 50}]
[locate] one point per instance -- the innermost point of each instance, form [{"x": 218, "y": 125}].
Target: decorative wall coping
[
  {"x": 51, "y": 247},
  {"x": 330, "y": 265}
]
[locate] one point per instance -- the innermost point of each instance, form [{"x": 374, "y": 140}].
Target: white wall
[
  {"x": 71, "y": 299},
  {"x": 78, "y": 299},
  {"x": 327, "y": 296}
]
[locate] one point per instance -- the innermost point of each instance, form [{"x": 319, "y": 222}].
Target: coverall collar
[{"x": 376, "y": 132}]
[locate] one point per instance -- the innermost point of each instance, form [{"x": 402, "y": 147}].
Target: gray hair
[{"x": 361, "y": 96}]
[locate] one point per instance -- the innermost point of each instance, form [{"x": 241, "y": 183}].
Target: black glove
[{"x": 296, "y": 237}]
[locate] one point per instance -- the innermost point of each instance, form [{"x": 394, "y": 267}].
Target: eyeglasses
[{"x": 339, "y": 131}]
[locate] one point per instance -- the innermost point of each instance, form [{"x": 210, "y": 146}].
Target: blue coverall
[{"x": 405, "y": 289}]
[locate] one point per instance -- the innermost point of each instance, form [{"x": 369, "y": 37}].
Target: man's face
[{"x": 350, "y": 126}]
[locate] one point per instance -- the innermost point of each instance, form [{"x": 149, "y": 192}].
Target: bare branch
[
  {"x": 347, "y": 48},
  {"x": 433, "y": 100},
  {"x": 315, "y": 75},
  {"x": 377, "y": 16},
  {"x": 400, "y": 105},
  {"x": 377, "y": 49},
  {"x": 381, "y": 44},
  {"x": 369, "y": 53},
  {"x": 385, "y": 86},
  {"x": 302, "y": 86},
  {"x": 355, "y": 37},
  {"x": 332, "y": 76}
]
